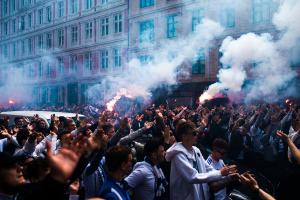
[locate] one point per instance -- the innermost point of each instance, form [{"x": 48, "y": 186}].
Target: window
[
  {"x": 61, "y": 8},
  {"x": 4, "y": 7},
  {"x": 53, "y": 95},
  {"x": 49, "y": 14},
  {"x": 40, "y": 41},
  {"x": 14, "y": 49},
  {"x": 117, "y": 58},
  {"x": 73, "y": 63},
  {"x": 49, "y": 40},
  {"x": 83, "y": 90},
  {"x": 118, "y": 23},
  {"x": 146, "y": 3},
  {"x": 147, "y": 31},
  {"x": 14, "y": 25},
  {"x": 105, "y": 26},
  {"x": 88, "y": 30},
  {"x": 30, "y": 45},
  {"x": 197, "y": 16},
  {"x": 13, "y": 5},
  {"x": 40, "y": 69},
  {"x": 88, "y": 62},
  {"x": 74, "y": 6},
  {"x": 60, "y": 97},
  {"x": 22, "y": 23},
  {"x": 88, "y": 4},
  {"x": 5, "y": 27},
  {"x": 60, "y": 34},
  {"x": 45, "y": 95},
  {"x": 145, "y": 59},
  {"x": 23, "y": 4},
  {"x": 23, "y": 47},
  {"x": 40, "y": 15},
  {"x": 261, "y": 11},
  {"x": 31, "y": 71},
  {"x": 29, "y": 20},
  {"x": 198, "y": 66},
  {"x": 228, "y": 17},
  {"x": 5, "y": 50},
  {"x": 60, "y": 62},
  {"x": 104, "y": 59},
  {"x": 74, "y": 34},
  {"x": 48, "y": 70},
  {"x": 172, "y": 25}
]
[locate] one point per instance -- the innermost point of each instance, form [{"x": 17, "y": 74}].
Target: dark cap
[{"x": 7, "y": 161}]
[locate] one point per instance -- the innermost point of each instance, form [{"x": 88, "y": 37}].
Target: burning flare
[
  {"x": 11, "y": 101},
  {"x": 205, "y": 96},
  {"x": 111, "y": 104}
]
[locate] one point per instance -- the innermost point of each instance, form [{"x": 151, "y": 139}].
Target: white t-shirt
[
  {"x": 142, "y": 180},
  {"x": 217, "y": 165}
]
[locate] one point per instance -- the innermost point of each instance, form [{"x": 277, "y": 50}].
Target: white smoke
[
  {"x": 286, "y": 20},
  {"x": 18, "y": 80},
  {"x": 260, "y": 58},
  {"x": 139, "y": 78},
  {"x": 14, "y": 87}
]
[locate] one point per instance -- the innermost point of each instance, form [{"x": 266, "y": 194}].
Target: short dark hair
[
  {"x": 23, "y": 134},
  {"x": 183, "y": 128},
  {"x": 152, "y": 145},
  {"x": 106, "y": 127},
  {"x": 115, "y": 156},
  {"x": 17, "y": 119},
  {"x": 219, "y": 143}
]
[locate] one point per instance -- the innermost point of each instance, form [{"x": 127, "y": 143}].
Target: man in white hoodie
[{"x": 189, "y": 171}]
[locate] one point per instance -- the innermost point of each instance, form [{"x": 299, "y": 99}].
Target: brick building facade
[{"x": 87, "y": 40}]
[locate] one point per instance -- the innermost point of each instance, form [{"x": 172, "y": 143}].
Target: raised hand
[
  {"x": 4, "y": 132},
  {"x": 64, "y": 162},
  {"x": 249, "y": 180},
  {"x": 148, "y": 125},
  {"x": 227, "y": 170},
  {"x": 97, "y": 141},
  {"x": 282, "y": 135}
]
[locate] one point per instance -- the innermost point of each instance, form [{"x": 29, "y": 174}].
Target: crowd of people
[{"x": 158, "y": 153}]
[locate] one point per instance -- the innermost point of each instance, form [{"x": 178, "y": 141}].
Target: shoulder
[
  {"x": 209, "y": 160},
  {"x": 143, "y": 167}
]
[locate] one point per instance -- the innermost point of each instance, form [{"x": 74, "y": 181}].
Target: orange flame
[{"x": 111, "y": 104}]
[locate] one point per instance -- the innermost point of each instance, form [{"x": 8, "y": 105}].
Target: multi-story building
[
  {"x": 64, "y": 46},
  {"x": 68, "y": 45},
  {"x": 175, "y": 19}
]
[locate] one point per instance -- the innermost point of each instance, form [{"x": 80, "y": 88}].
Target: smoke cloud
[
  {"x": 260, "y": 58},
  {"x": 140, "y": 78}
]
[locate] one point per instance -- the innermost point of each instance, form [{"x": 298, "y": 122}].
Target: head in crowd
[
  {"x": 219, "y": 149},
  {"x": 187, "y": 133},
  {"x": 154, "y": 150},
  {"x": 11, "y": 175},
  {"x": 118, "y": 161},
  {"x": 70, "y": 125},
  {"x": 22, "y": 136},
  {"x": 109, "y": 130},
  {"x": 19, "y": 121},
  {"x": 36, "y": 170}
]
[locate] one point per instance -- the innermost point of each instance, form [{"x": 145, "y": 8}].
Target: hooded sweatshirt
[{"x": 189, "y": 174}]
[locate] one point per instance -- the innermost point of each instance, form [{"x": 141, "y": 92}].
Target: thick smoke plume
[
  {"x": 260, "y": 58},
  {"x": 140, "y": 78},
  {"x": 18, "y": 80}
]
